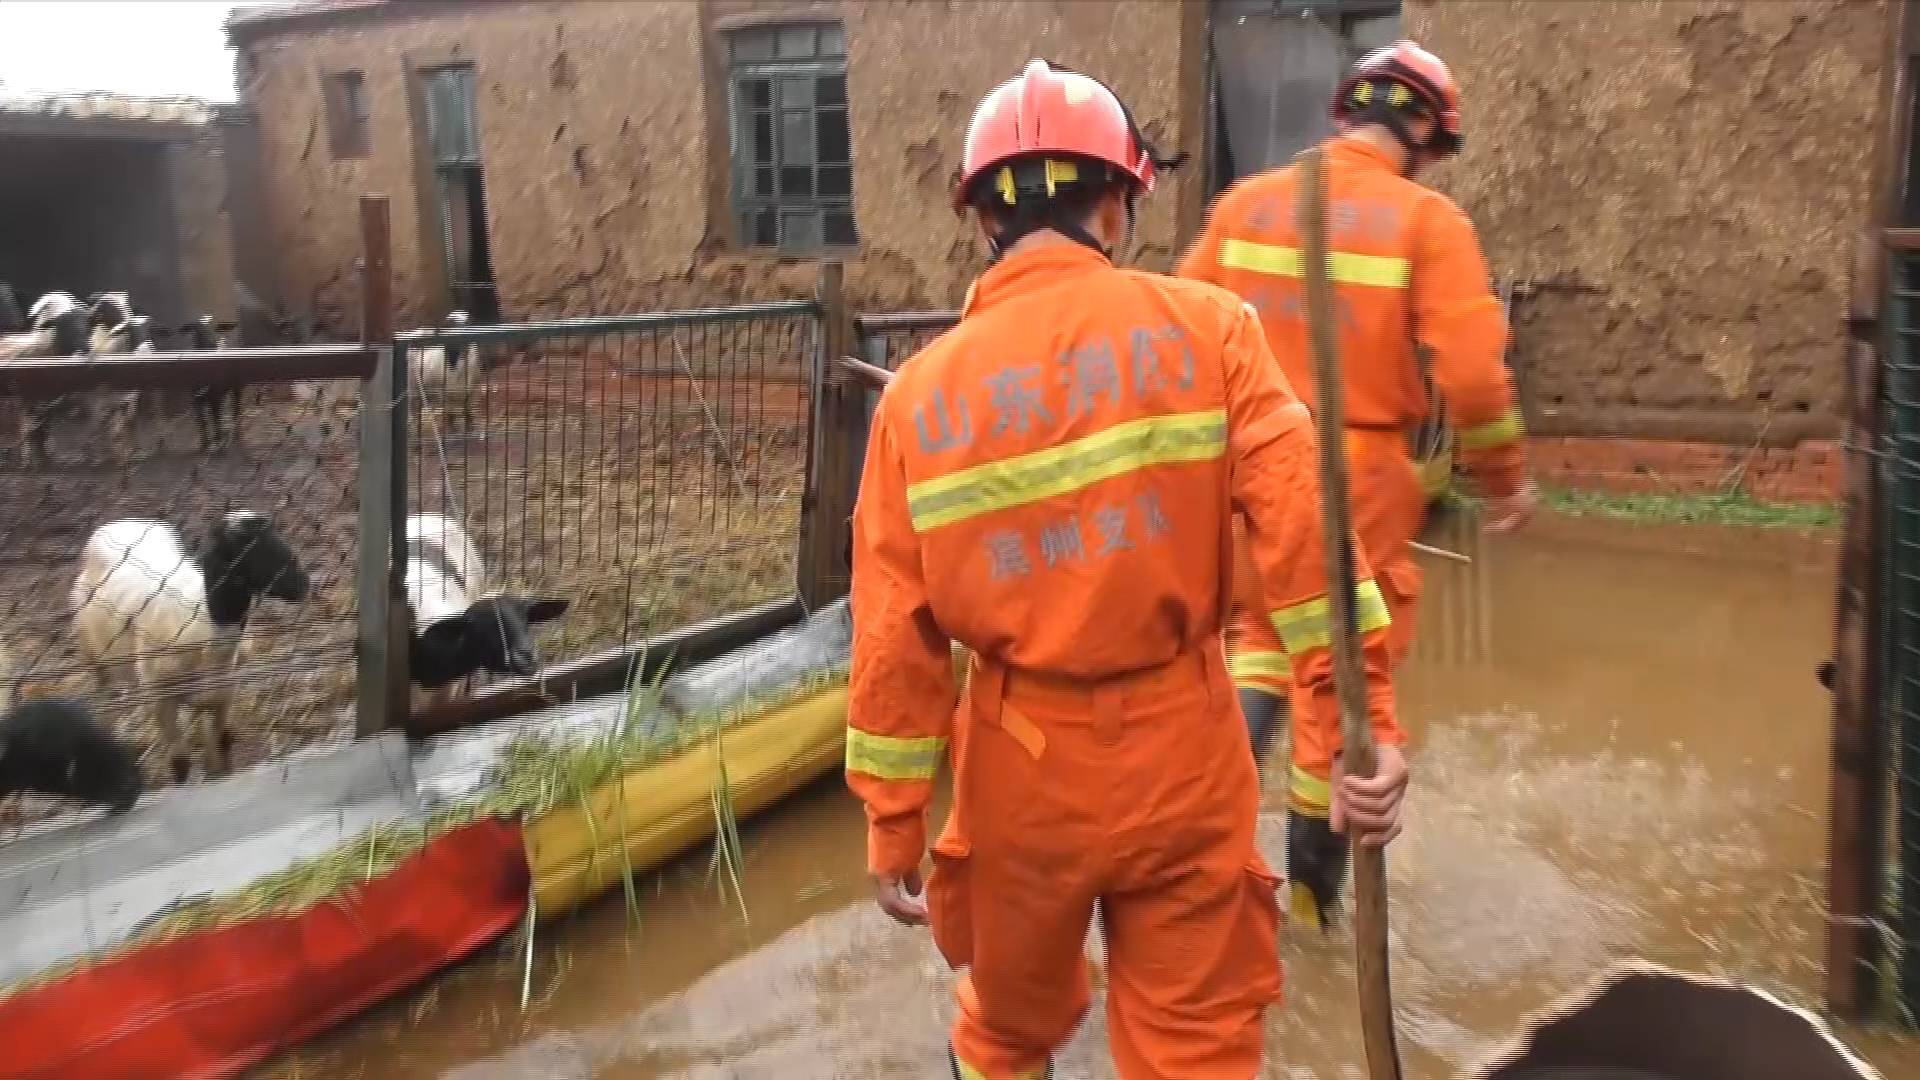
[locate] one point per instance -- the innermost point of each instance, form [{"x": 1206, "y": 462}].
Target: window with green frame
[{"x": 791, "y": 144}]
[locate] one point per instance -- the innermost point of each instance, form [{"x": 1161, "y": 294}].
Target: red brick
[{"x": 1809, "y": 472}]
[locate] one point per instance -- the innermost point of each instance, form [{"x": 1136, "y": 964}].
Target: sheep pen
[{"x": 652, "y": 478}]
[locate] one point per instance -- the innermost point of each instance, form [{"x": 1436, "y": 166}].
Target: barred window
[{"x": 792, "y": 147}]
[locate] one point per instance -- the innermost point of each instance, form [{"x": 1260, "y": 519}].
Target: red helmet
[
  {"x": 1043, "y": 111},
  {"x": 1405, "y": 64}
]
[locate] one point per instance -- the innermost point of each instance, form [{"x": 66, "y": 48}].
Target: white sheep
[
  {"x": 458, "y": 625},
  {"x": 118, "y": 331},
  {"x": 59, "y": 328},
  {"x": 141, "y": 602},
  {"x": 445, "y": 378}
]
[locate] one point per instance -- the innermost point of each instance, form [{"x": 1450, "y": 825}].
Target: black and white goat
[
  {"x": 142, "y": 602},
  {"x": 457, "y": 625},
  {"x": 57, "y": 328},
  {"x": 118, "y": 330}
]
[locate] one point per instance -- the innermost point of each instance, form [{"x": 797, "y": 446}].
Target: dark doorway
[
  {"x": 90, "y": 214},
  {"x": 1275, "y": 66},
  {"x": 453, "y": 137}
]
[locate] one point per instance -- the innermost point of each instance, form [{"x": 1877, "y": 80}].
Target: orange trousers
[
  {"x": 1138, "y": 794},
  {"x": 1389, "y": 507}
]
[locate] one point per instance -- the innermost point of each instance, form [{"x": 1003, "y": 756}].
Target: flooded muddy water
[{"x": 1637, "y": 768}]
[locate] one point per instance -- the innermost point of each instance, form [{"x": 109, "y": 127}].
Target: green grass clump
[
  {"x": 1713, "y": 508},
  {"x": 1735, "y": 508}
]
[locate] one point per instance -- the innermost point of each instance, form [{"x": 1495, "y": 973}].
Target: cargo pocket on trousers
[
  {"x": 950, "y": 901},
  {"x": 1260, "y": 927}
]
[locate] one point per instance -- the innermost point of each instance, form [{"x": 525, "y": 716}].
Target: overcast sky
[{"x": 155, "y": 48}]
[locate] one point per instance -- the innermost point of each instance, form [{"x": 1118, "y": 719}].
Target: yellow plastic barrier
[{"x": 663, "y": 809}]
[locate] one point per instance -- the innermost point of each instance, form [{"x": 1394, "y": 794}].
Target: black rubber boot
[
  {"x": 1265, "y": 715},
  {"x": 1316, "y": 869}
]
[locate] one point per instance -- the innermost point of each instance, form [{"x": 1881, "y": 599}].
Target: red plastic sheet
[{"x": 212, "y": 1003}]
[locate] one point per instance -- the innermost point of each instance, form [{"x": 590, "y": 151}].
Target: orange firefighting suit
[
  {"x": 1050, "y": 485},
  {"x": 1408, "y": 276}
]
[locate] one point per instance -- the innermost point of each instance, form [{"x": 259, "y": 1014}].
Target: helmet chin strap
[{"x": 1395, "y": 121}]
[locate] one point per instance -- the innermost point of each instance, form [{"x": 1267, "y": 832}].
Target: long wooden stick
[{"x": 1369, "y": 863}]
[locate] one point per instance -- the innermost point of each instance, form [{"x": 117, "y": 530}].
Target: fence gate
[{"x": 1899, "y": 629}]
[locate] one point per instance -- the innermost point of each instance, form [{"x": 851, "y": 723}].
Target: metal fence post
[
  {"x": 383, "y": 636},
  {"x": 376, "y": 451}
]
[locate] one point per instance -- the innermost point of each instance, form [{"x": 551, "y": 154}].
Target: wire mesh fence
[
  {"x": 1900, "y": 632},
  {"x": 177, "y": 583},
  {"x": 886, "y": 341},
  {"x": 647, "y": 469}
]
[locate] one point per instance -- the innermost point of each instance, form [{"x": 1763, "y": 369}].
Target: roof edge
[{"x": 255, "y": 21}]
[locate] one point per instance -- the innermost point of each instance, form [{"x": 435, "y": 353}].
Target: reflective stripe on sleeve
[
  {"x": 1309, "y": 625},
  {"x": 1493, "y": 433},
  {"x": 889, "y": 758}
]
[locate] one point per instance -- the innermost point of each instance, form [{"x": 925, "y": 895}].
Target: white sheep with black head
[
  {"x": 118, "y": 330},
  {"x": 143, "y": 603},
  {"x": 459, "y": 625},
  {"x": 58, "y": 327}
]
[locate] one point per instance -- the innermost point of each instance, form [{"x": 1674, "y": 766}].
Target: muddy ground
[{"x": 1636, "y": 766}]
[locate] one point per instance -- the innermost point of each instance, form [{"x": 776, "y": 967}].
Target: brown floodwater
[{"x": 1626, "y": 757}]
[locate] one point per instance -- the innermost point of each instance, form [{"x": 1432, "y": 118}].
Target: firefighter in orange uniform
[
  {"x": 1408, "y": 277},
  {"x": 1050, "y": 485}
]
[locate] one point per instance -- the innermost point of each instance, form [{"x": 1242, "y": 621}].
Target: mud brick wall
[
  {"x": 1707, "y": 164},
  {"x": 605, "y": 192}
]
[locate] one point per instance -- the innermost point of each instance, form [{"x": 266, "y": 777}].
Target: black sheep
[
  {"x": 209, "y": 401},
  {"x": 12, "y": 319},
  {"x": 54, "y": 746}
]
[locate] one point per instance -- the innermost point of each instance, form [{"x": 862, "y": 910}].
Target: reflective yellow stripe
[
  {"x": 1494, "y": 432},
  {"x": 1344, "y": 267},
  {"x": 889, "y": 758},
  {"x": 1307, "y": 793},
  {"x": 1310, "y": 625},
  {"x": 1244, "y": 666},
  {"x": 968, "y": 1072},
  {"x": 1122, "y": 448}
]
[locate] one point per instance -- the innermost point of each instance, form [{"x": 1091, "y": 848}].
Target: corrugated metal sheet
[{"x": 106, "y": 106}]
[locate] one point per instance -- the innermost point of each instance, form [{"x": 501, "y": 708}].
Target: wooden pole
[
  {"x": 831, "y": 468},
  {"x": 1369, "y": 863}
]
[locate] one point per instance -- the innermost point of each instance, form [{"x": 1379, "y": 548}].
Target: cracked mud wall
[
  {"x": 199, "y": 173},
  {"x": 598, "y": 166},
  {"x": 1707, "y": 164}
]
